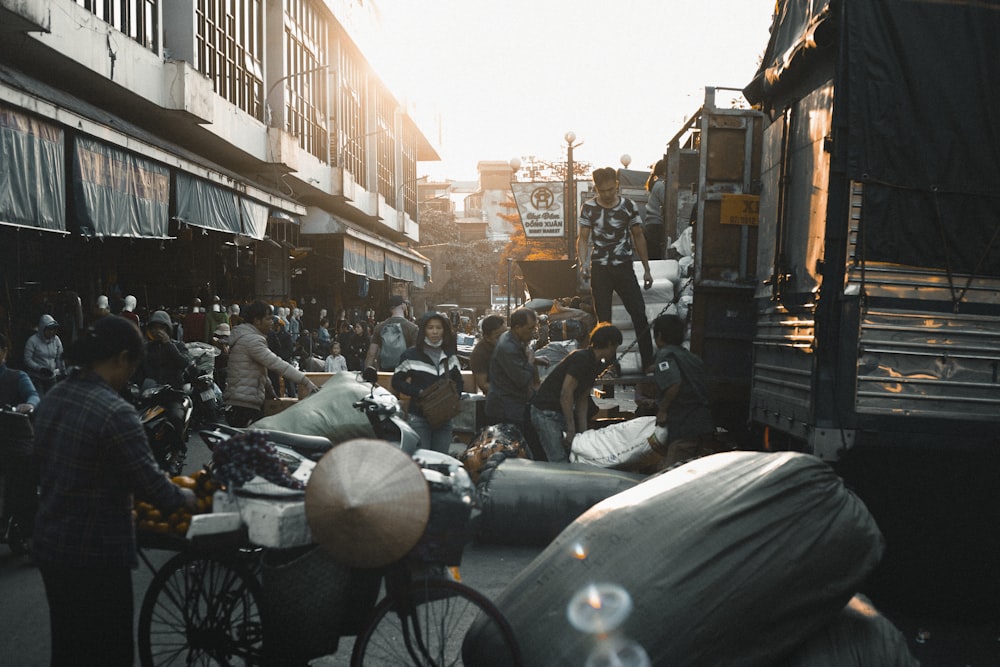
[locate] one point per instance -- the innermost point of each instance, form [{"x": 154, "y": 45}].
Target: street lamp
[
  {"x": 570, "y": 198},
  {"x": 510, "y": 262},
  {"x": 515, "y": 166}
]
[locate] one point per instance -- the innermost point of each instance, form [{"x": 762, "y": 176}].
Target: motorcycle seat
[{"x": 303, "y": 444}]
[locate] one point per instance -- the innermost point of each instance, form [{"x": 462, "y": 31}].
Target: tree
[
  {"x": 470, "y": 265},
  {"x": 520, "y": 247}
]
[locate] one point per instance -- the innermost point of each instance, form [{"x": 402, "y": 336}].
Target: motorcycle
[
  {"x": 165, "y": 413},
  {"x": 21, "y": 481},
  {"x": 207, "y": 405}
]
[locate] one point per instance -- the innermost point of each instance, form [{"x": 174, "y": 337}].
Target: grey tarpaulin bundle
[
  {"x": 732, "y": 559},
  {"x": 530, "y": 502}
]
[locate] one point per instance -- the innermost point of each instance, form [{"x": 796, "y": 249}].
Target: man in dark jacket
[
  {"x": 166, "y": 360},
  {"x": 513, "y": 376}
]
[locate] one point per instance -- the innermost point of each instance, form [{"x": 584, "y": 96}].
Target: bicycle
[{"x": 206, "y": 605}]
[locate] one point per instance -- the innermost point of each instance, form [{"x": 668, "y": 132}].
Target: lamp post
[
  {"x": 510, "y": 262},
  {"x": 515, "y": 166},
  {"x": 570, "y": 198}
]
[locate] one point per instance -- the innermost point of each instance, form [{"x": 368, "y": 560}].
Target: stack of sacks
[
  {"x": 732, "y": 559},
  {"x": 329, "y": 413},
  {"x": 660, "y": 295}
]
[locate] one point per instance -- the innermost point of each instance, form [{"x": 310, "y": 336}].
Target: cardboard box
[{"x": 280, "y": 524}]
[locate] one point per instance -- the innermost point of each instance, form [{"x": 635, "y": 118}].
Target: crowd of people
[{"x": 90, "y": 457}]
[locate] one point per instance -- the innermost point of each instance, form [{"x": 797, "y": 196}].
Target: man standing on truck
[{"x": 613, "y": 224}]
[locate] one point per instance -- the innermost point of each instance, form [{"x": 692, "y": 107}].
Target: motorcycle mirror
[{"x": 370, "y": 375}]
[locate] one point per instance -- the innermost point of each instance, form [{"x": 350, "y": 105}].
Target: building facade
[{"x": 197, "y": 148}]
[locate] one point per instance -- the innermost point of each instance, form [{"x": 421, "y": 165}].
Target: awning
[
  {"x": 209, "y": 206},
  {"x": 34, "y": 197},
  {"x": 202, "y": 204},
  {"x": 366, "y": 254},
  {"x": 119, "y": 193}
]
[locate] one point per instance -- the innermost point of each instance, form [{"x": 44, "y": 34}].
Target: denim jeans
[
  {"x": 550, "y": 426},
  {"x": 438, "y": 439},
  {"x": 605, "y": 280}
]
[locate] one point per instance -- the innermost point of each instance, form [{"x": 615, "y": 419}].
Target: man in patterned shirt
[{"x": 611, "y": 223}]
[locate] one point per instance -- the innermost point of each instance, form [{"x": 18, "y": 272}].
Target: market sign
[
  {"x": 740, "y": 210},
  {"x": 540, "y": 205}
]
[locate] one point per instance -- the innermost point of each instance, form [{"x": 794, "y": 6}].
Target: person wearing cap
[
  {"x": 249, "y": 361},
  {"x": 43, "y": 354},
  {"x": 220, "y": 339},
  {"x": 166, "y": 360},
  {"x": 397, "y": 315}
]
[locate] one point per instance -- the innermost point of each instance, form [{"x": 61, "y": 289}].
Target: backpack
[{"x": 392, "y": 347}]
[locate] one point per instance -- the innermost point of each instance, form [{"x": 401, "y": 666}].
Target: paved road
[{"x": 24, "y": 620}]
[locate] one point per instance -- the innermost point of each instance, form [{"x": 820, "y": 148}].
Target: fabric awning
[
  {"x": 202, "y": 204},
  {"x": 366, "y": 254},
  {"x": 119, "y": 193},
  {"x": 36, "y": 197}
]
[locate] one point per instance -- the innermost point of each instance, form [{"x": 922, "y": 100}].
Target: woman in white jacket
[{"x": 249, "y": 361}]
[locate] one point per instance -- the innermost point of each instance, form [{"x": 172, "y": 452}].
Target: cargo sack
[
  {"x": 731, "y": 559},
  {"x": 329, "y": 412},
  {"x": 439, "y": 403},
  {"x": 530, "y": 502},
  {"x": 494, "y": 443},
  {"x": 619, "y": 445},
  {"x": 858, "y": 637}
]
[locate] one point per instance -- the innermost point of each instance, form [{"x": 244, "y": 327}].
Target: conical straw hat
[{"x": 367, "y": 503}]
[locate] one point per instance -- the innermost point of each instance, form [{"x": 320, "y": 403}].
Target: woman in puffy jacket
[
  {"x": 249, "y": 361},
  {"x": 420, "y": 366}
]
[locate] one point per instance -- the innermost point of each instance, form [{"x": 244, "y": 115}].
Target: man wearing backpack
[{"x": 392, "y": 336}]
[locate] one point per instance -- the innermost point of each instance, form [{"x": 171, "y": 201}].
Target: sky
[{"x": 489, "y": 80}]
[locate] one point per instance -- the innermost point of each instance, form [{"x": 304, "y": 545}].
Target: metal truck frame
[{"x": 878, "y": 254}]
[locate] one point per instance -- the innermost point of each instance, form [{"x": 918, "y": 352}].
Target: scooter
[
  {"x": 207, "y": 404},
  {"x": 15, "y": 531},
  {"x": 165, "y": 413}
]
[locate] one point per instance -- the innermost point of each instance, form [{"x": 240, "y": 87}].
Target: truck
[
  {"x": 876, "y": 299},
  {"x": 844, "y": 209},
  {"x": 711, "y": 191}
]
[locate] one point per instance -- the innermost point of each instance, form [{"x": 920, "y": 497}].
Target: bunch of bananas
[{"x": 150, "y": 519}]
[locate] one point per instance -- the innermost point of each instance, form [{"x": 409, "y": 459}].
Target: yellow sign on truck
[{"x": 740, "y": 210}]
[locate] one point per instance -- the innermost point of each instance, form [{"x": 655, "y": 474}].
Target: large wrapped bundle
[
  {"x": 329, "y": 413},
  {"x": 529, "y": 502},
  {"x": 623, "y": 446},
  {"x": 858, "y": 637},
  {"x": 732, "y": 559}
]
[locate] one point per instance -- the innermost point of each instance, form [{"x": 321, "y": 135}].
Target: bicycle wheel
[
  {"x": 428, "y": 629},
  {"x": 201, "y": 610}
]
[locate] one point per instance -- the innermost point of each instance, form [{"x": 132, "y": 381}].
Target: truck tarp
[{"x": 923, "y": 112}]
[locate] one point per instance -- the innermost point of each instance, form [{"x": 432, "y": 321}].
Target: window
[
  {"x": 306, "y": 76},
  {"x": 229, "y": 45},
  {"x": 139, "y": 19}
]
